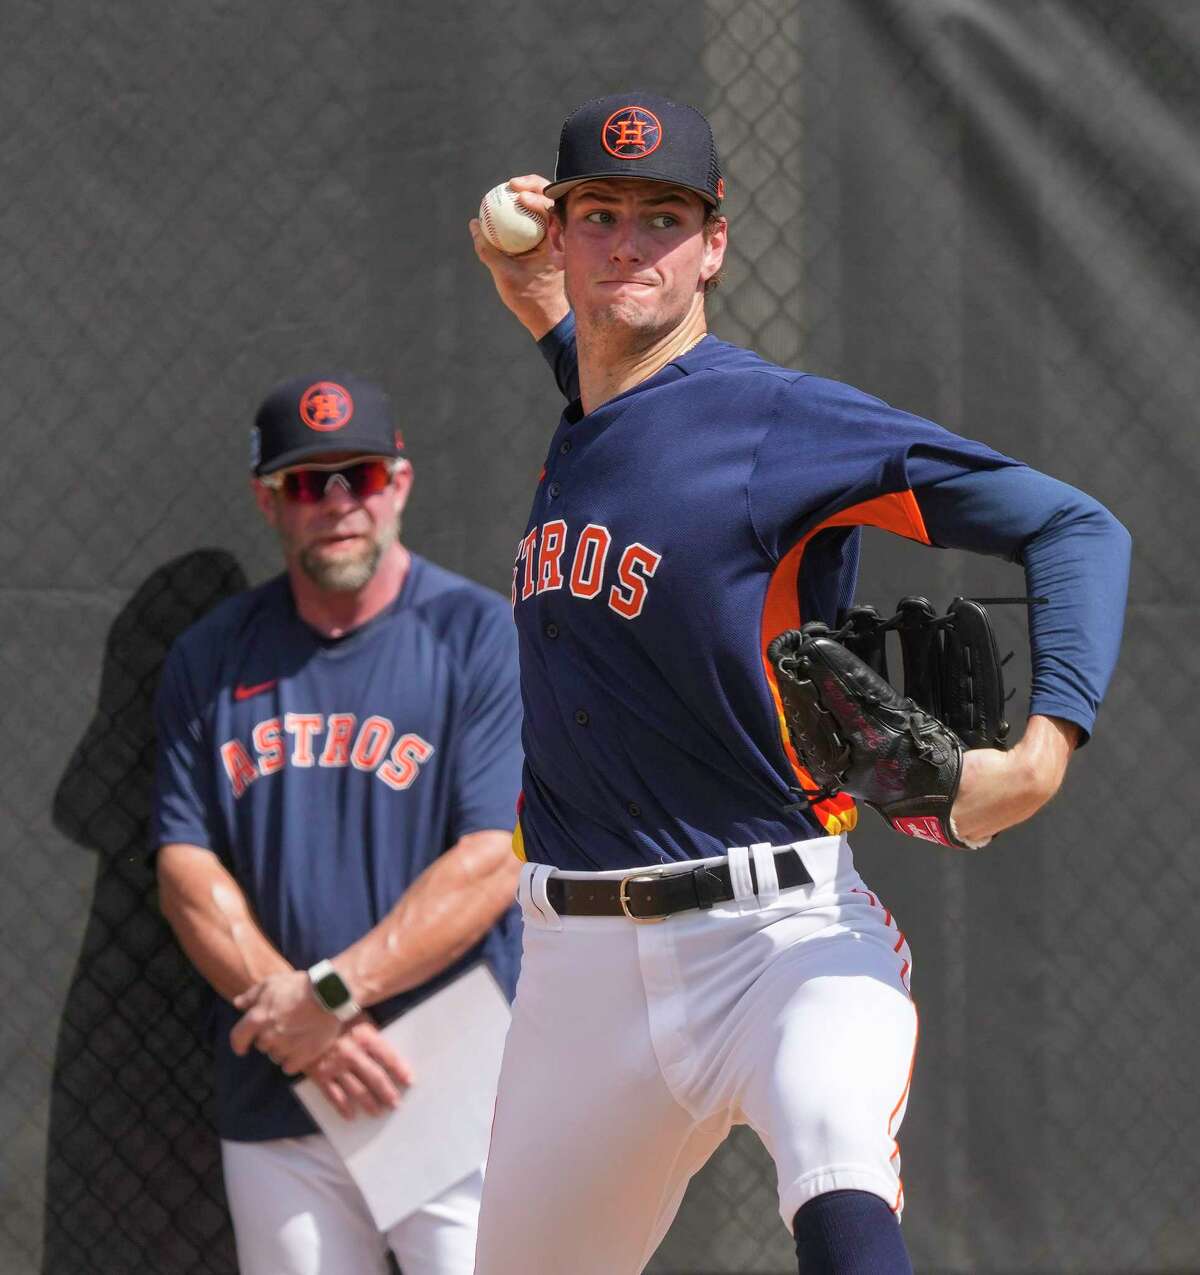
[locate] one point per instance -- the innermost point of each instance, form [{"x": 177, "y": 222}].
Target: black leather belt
[{"x": 653, "y": 894}]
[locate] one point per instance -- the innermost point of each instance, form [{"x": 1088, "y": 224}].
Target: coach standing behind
[{"x": 339, "y": 758}]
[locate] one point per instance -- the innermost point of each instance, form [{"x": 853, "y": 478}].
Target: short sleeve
[
  {"x": 185, "y": 809},
  {"x": 487, "y": 775}
]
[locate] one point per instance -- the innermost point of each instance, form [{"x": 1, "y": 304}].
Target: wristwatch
[{"x": 332, "y": 993}]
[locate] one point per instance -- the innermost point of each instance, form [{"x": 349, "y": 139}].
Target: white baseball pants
[
  {"x": 634, "y": 1048},
  {"x": 296, "y": 1211}
]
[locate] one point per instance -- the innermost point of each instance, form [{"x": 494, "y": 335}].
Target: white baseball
[{"x": 507, "y": 224}]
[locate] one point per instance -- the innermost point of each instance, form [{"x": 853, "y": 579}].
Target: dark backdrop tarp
[{"x": 986, "y": 213}]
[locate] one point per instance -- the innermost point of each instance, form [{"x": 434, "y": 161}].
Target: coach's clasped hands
[
  {"x": 356, "y": 1068},
  {"x": 360, "y": 1071},
  {"x": 282, "y": 1018}
]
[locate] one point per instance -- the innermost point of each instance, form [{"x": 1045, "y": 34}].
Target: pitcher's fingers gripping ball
[{"x": 507, "y": 223}]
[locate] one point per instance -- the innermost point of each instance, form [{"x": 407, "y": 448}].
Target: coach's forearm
[
  {"x": 443, "y": 914},
  {"x": 212, "y": 920}
]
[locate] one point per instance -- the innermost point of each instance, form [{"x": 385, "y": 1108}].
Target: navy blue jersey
[
  {"x": 328, "y": 774},
  {"x": 681, "y": 526}
]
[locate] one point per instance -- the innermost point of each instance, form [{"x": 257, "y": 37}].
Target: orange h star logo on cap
[
  {"x": 631, "y": 133},
  {"x": 326, "y": 406}
]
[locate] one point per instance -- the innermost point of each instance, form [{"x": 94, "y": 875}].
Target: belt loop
[
  {"x": 764, "y": 870},
  {"x": 740, "y": 878},
  {"x": 709, "y": 887},
  {"x": 531, "y": 894},
  {"x": 827, "y": 859}
]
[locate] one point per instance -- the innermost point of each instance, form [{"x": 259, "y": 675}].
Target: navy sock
[{"x": 849, "y": 1233}]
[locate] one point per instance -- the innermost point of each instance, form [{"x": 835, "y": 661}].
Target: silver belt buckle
[{"x": 623, "y": 895}]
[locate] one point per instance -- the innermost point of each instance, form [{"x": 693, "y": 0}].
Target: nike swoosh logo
[{"x": 247, "y": 692}]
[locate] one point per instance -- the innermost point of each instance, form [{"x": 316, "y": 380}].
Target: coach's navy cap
[
  {"x": 638, "y": 135},
  {"x": 313, "y": 416}
]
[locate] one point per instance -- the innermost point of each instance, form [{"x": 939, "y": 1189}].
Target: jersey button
[
  {"x": 581, "y": 717},
  {"x": 566, "y": 446},
  {"x": 551, "y": 630},
  {"x": 555, "y": 489},
  {"x": 634, "y": 809}
]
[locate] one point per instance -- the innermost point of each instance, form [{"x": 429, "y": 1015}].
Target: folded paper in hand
[{"x": 439, "y": 1132}]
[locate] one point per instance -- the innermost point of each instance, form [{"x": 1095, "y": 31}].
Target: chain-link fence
[{"x": 985, "y": 212}]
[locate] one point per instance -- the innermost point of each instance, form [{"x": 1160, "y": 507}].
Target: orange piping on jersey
[{"x": 898, "y": 513}]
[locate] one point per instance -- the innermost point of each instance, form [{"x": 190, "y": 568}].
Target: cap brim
[
  {"x": 314, "y": 451},
  {"x": 555, "y": 189}
]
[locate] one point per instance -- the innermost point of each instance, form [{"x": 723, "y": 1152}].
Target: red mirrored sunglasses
[{"x": 310, "y": 485}]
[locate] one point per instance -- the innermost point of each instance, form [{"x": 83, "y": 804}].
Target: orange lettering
[
  {"x": 372, "y": 743},
  {"x": 337, "y": 742},
  {"x": 269, "y": 743},
  {"x": 411, "y": 752},
  {"x": 302, "y": 727},
  {"x": 587, "y": 570},
  {"x": 238, "y": 766},
  {"x": 554, "y": 537},
  {"x": 628, "y": 596},
  {"x": 525, "y": 550}
]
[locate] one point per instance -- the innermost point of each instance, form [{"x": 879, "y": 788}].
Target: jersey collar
[{"x": 690, "y": 360}]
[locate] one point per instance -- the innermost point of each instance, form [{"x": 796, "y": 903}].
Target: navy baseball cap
[
  {"x": 638, "y": 135},
  {"x": 312, "y": 416}
]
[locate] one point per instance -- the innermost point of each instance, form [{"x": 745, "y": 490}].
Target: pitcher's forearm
[
  {"x": 1002, "y": 789},
  {"x": 1044, "y": 752}
]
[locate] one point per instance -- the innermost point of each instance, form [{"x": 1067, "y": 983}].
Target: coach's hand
[
  {"x": 284, "y": 1021},
  {"x": 530, "y": 285},
  {"x": 361, "y": 1072}
]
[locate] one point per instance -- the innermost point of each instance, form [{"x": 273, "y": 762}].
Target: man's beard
[{"x": 347, "y": 573}]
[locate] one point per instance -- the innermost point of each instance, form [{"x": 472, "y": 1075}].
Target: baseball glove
[{"x": 899, "y": 754}]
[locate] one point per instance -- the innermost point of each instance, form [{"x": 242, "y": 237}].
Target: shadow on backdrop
[{"x": 133, "y": 1172}]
